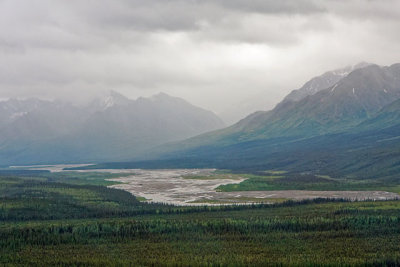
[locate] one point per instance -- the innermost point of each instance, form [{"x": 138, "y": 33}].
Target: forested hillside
[{"x": 71, "y": 219}]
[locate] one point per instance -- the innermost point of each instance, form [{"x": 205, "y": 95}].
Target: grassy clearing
[
  {"x": 214, "y": 176},
  {"x": 211, "y": 201},
  {"x": 235, "y": 200},
  {"x": 275, "y": 172},
  {"x": 77, "y": 178},
  {"x": 260, "y": 200},
  {"x": 143, "y": 199},
  {"x": 84, "y": 178},
  {"x": 310, "y": 182}
]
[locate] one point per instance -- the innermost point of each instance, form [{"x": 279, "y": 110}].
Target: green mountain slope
[
  {"x": 355, "y": 98},
  {"x": 351, "y": 128}
]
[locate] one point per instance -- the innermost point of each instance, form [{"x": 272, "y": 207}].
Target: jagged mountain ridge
[{"x": 321, "y": 82}]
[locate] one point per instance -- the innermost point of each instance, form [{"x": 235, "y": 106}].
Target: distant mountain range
[
  {"x": 109, "y": 128},
  {"x": 349, "y": 128},
  {"x": 342, "y": 123}
]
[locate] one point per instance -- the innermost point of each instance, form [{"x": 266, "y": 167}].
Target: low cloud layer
[{"x": 212, "y": 53}]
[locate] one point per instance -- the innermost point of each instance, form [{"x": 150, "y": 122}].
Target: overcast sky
[{"x": 212, "y": 53}]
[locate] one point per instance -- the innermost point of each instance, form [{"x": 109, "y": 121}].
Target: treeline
[
  {"x": 84, "y": 232},
  {"x": 238, "y": 241},
  {"x": 24, "y": 200}
]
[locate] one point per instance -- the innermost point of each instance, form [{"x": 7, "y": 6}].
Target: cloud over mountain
[{"x": 203, "y": 51}]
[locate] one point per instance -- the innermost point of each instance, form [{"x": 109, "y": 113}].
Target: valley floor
[
  {"x": 74, "y": 219},
  {"x": 190, "y": 187}
]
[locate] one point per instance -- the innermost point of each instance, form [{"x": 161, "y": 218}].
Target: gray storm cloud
[{"x": 213, "y": 53}]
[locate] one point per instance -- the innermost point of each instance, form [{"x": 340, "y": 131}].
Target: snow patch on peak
[
  {"x": 324, "y": 81},
  {"x": 108, "y": 102},
  {"x": 111, "y": 99},
  {"x": 346, "y": 71},
  {"x": 342, "y": 72}
]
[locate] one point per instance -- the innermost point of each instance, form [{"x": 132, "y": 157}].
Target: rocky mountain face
[
  {"x": 322, "y": 82},
  {"x": 109, "y": 128}
]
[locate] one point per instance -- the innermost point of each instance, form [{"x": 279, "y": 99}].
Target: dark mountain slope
[
  {"x": 372, "y": 154},
  {"x": 387, "y": 117}
]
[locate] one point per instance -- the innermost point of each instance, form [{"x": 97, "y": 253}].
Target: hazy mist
[{"x": 215, "y": 54}]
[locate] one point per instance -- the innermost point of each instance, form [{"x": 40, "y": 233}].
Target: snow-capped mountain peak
[
  {"x": 322, "y": 82},
  {"x": 111, "y": 99}
]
